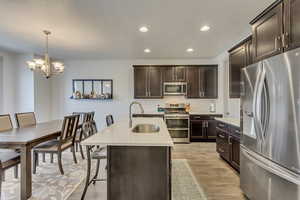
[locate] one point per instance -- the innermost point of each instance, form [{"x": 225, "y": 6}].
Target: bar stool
[{"x": 98, "y": 154}]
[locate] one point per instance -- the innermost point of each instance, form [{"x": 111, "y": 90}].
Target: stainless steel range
[{"x": 177, "y": 120}]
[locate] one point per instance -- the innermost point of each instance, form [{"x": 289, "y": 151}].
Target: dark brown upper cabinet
[
  {"x": 174, "y": 74},
  {"x": 291, "y": 24},
  {"x": 267, "y": 31},
  {"x": 148, "y": 82},
  {"x": 202, "y": 82},
  {"x": 209, "y": 82},
  {"x": 239, "y": 57},
  {"x": 193, "y": 85}
]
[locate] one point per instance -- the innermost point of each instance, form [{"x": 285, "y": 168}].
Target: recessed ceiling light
[
  {"x": 204, "y": 28},
  {"x": 147, "y": 50},
  {"x": 143, "y": 29},
  {"x": 190, "y": 50}
]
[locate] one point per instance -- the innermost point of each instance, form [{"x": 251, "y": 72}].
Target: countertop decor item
[
  {"x": 45, "y": 66},
  {"x": 92, "y": 89}
]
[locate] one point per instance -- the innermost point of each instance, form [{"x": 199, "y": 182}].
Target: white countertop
[
  {"x": 231, "y": 121},
  {"x": 203, "y": 113},
  {"x": 119, "y": 134}
]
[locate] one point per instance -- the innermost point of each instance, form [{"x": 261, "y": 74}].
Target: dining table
[{"x": 24, "y": 139}]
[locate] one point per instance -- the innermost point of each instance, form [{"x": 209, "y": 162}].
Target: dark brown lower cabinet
[
  {"x": 235, "y": 152},
  {"x": 198, "y": 129},
  {"x": 228, "y": 144},
  {"x": 203, "y": 127},
  {"x": 138, "y": 172}
]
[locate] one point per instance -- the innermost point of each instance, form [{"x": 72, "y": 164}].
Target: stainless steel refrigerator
[{"x": 270, "y": 147}]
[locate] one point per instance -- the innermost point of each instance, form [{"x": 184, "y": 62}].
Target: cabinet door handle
[
  {"x": 277, "y": 47},
  {"x": 285, "y": 41}
]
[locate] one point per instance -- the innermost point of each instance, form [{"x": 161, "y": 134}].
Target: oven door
[
  {"x": 178, "y": 128},
  {"x": 171, "y": 89}
]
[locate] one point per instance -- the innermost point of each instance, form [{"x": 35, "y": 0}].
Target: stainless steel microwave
[{"x": 175, "y": 88}]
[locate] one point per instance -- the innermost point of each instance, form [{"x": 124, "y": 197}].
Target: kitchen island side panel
[{"x": 139, "y": 172}]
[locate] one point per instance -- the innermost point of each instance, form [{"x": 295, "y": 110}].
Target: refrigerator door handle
[
  {"x": 272, "y": 167},
  {"x": 257, "y": 103},
  {"x": 266, "y": 108}
]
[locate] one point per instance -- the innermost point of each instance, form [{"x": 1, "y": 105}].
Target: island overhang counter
[{"x": 138, "y": 164}]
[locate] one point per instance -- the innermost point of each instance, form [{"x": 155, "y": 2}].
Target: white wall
[
  {"x": 16, "y": 84},
  {"x": 231, "y": 105},
  {"x": 8, "y": 80},
  {"x": 42, "y": 98},
  {"x": 24, "y": 91},
  {"x": 121, "y": 71},
  {"x": 24, "y": 84},
  {"x": 1, "y": 84}
]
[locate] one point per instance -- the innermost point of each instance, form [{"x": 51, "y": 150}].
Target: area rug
[
  {"x": 48, "y": 183},
  {"x": 184, "y": 183}
]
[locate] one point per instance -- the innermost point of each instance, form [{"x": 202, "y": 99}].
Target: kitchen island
[{"x": 138, "y": 163}]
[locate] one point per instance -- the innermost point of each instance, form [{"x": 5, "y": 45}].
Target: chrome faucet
[{"x": 130, "y": 115}]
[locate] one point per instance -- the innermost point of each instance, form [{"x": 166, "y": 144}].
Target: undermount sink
[{"x": 145, "y": 128}]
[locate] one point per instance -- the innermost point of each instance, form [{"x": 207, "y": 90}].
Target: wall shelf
[{"x": 92, "y": 89}]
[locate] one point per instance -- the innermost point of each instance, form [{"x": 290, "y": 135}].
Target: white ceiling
[{"x": 91, "y": 29}]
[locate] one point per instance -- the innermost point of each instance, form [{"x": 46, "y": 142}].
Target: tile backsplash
[{"x": 197, "y": 105}]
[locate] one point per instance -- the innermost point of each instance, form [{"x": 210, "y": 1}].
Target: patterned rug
[
  {"x": 184, "y": 183},
  {"x": 48, "y": 184}
]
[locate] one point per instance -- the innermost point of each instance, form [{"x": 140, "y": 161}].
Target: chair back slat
[
  {"x": 81, "y": 115},
  {"x": 25, "y": 119},
  {"x": 69, "y": 128},
  {"x": 87, "y": 117},
  {"x": 5, "y": 123},
  {"x": 109, "y": 120}
]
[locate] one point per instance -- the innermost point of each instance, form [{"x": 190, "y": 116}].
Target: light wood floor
[{"x": 217, "y": 178}]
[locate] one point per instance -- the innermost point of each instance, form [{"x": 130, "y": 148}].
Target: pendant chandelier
[{"x": 45, "y": 66}]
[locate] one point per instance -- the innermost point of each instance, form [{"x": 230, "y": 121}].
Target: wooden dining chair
[
  {"x": 7, "y": 156},
  {"x": 25, "y": 119},
  {"x": 109, "y": 120},
  {"x": 5, "y": 123},
  {"x": 65, "y": 141}
]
